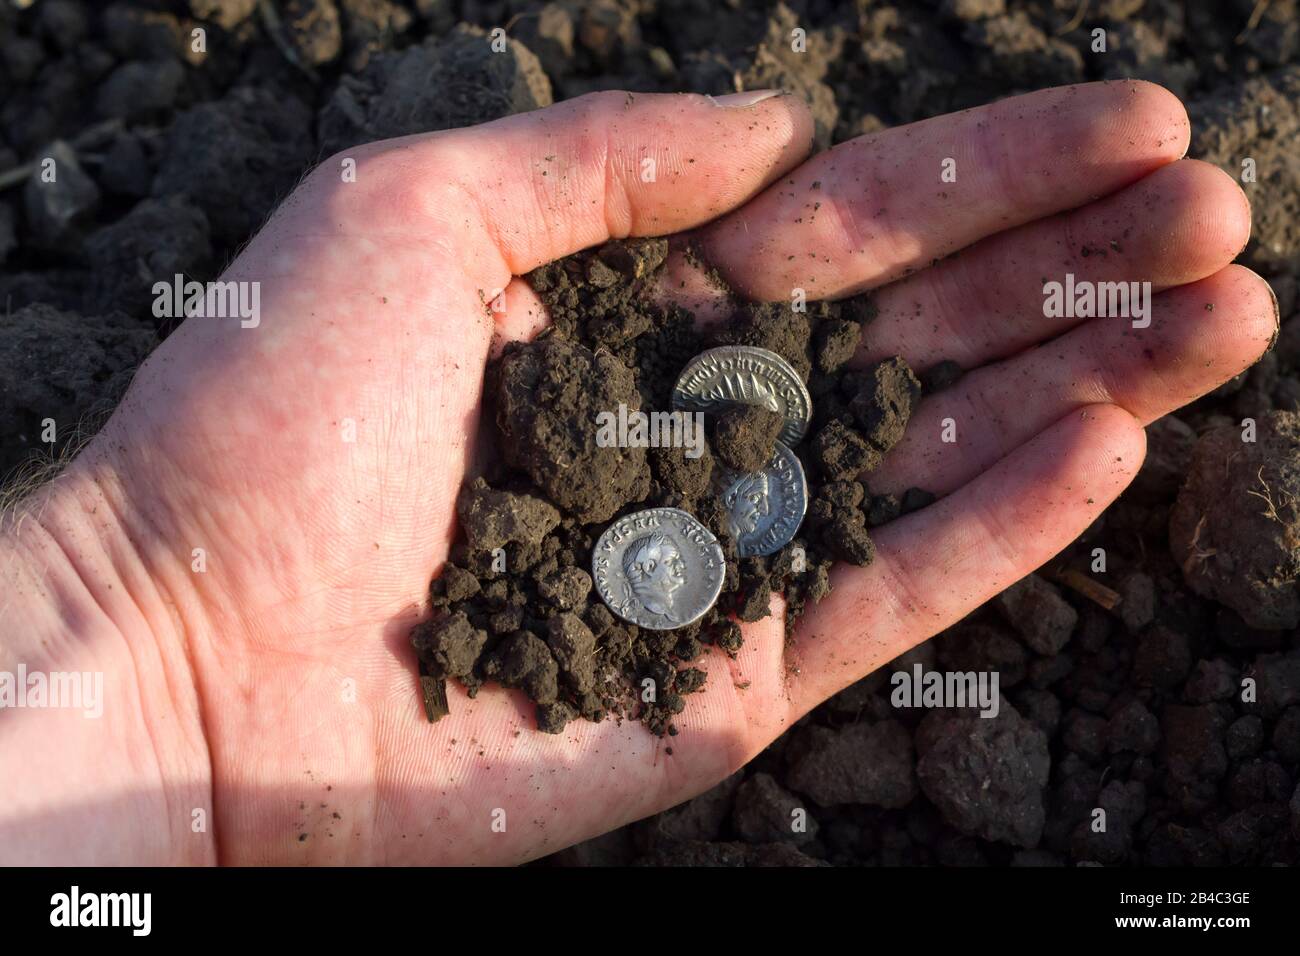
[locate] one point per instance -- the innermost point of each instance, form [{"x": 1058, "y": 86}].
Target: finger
[
  {"x": 1182, "y": 223},
  {"x": 873, "y": 209},
  {"x": 1200, "y": 336},
  {"x": 538, "y": 186},
  {"x": 934, "y": 566},
  {"x": 519, "y": 315}
]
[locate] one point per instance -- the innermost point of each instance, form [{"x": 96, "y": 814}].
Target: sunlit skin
[{"x": 265, "y": 709}]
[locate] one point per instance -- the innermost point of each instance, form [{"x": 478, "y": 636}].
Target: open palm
[{"x": 314, "y": 460}]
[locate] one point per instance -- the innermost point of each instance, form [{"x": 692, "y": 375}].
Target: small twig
[
  {"x": 12, "y": 177},
  {"x": 1076, "y": 19},
  {"x": 89, "y": 136},
  {"x": 1257, "y": 14},
  {"x": 1097, "y": 593},
  {"x": 271, "y": 20},
  {"x": 1266, "y": 496},
  {"x": 1198, "y": 554},
  {"x": 434, "y": 691}
]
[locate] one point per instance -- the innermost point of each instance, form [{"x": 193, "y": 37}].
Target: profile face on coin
[
  {"x": 659, "y": 568},
  {"x": 765, "y": 508},
  {"x": 748, "y": 500},
  {"x": 745, "y": 375}
]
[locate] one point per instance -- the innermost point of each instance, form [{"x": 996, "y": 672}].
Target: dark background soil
[{"x": 169, "y": 159}]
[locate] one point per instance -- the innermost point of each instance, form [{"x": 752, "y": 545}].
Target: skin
[{"x": 272, "y": 696}]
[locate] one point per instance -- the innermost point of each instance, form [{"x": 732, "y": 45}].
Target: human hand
[{"x": 275, "y": 690}]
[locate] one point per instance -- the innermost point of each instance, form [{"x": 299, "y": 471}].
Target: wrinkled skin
[{"x": 264, "y": 709}]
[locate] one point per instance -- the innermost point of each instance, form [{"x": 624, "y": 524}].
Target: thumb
[{"x": 609, "y": 165}]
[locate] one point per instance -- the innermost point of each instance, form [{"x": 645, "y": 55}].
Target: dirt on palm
[{"x": 515, "y": 604}]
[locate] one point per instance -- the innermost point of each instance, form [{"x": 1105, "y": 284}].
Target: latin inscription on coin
[{"x": 745, "y": 375}]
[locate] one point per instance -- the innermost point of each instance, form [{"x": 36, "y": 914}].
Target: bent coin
[
  {"x": 659, "y": 568},
  {"x": 765, "y": 508},
  {"x": 745, "y": 375}
]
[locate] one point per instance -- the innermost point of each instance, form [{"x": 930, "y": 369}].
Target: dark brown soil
[
  {"x": 745, "y": 437},
  {"x": 1235, "y": 528},
  {"x": 515, "y": 604},
  {"x": 547, "y": 403},
  {"x": 1138, "y": 710}
]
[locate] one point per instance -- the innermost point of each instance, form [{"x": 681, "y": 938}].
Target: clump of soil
[
  {"x": 515, "y": 603},
  {"x": 745, "y": 436},
  {"x": 1236, "y": 525},
  {"x": 548, "y": 401}
]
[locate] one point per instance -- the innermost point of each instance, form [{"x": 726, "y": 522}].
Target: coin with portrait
[
  {"x": 659, "y": 568},
  {"x": 765, "y": 508}
]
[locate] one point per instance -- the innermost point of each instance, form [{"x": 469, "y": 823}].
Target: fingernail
[
  {"x": 1277, "y": 314},
  {"x": 747, "y": 98}
]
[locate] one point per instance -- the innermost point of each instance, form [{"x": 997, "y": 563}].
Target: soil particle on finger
[
  {"x": 451, "y": 643},
  {"x": 836, "y": 342},
  {"x": 848, "y": 540},
  {"x": 843, "y": 453},
  {"x": 888, "y": 394}
]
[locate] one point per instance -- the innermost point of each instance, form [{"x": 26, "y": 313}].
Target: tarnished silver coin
[
  {"x": 658, "y": 568},
  {"x": 745, "y": 375},
  {"x": 765, "y": 508}
]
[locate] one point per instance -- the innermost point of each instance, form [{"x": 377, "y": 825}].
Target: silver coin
[
  {"x": 765, "y": 508},
  {"x": 659, "y": 568},
  {"x": 745, "y": 375}
]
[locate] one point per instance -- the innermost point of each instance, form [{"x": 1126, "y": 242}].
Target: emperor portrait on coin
[{"x": 659, "y": 568}]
